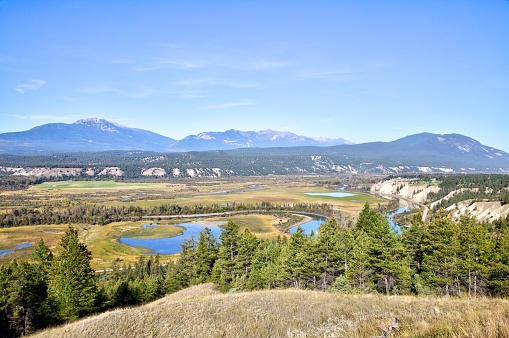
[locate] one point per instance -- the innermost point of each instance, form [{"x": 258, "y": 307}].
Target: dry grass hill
[{"x": 200, "y": 311}]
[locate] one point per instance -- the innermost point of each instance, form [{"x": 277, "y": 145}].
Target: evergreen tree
[
  {"x": 297, "y": 260},
  {"x": 42, "y": 257},
  {"x": 266, "y": 268},
  {"x": 387, "y": 262},
  {"x": 441, "y": 250},
  {"x": 205, "y": 257},
  {"x": 476, "y": 256},
  {"x": 334, "y": 244},
  {"x": 72, "y": 282},
  {"x": 412, "y": 239},
  {"x": 224, "y": 269},
  {"x": 180, "y": 274},
  {"x": 359, "y": 270},
  {"x": 23, "y": 297},
  {"x": 499, "y": 269},
  {"x": 242, "y": 269},
  {"x": 41, "y": 261}
]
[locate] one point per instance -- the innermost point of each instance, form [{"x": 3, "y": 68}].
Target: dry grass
[{"x": 202, "y": 312}]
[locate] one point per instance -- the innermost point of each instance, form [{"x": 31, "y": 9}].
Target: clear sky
[{"x": 361, "y": 70}]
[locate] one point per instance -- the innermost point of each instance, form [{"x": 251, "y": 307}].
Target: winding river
[
  {"x": 311, "y": 226},
  {"x": 393, "y": 224},
  {"x": 171, "y": 245}
]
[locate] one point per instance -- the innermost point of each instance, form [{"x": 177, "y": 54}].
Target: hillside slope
[
  {"x": 86, "y": 135},
  {"x": 234, "y": 139},
  {"x": 95, "y": 135},
  {"x": 200, "y": 312}
]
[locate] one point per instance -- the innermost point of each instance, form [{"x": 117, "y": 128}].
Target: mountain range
[
  {"x": 100, "y": 147},
  {"x": 94, "y": 135}
]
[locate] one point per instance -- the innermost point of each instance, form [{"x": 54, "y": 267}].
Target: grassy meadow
[
  {"x": 66, "y": 185},
  {"x": 206, "y": 191},
  {"x": 200, "y": 311}
]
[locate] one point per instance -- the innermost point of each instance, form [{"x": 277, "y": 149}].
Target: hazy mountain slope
[
  {"x": 241, "y": 153},
  {"x": 198, "y": 312},
  {"x": 87, "y": 135},
  {"x": 424, "y": 153},
  {"x": 233, "y": 139},
  {"x": 92, "y": 135},
  {"x": 452, "y": 151}
]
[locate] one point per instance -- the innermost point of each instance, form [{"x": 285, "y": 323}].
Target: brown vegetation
[{"x": 201, "y": 311}]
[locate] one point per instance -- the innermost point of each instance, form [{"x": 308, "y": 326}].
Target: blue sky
[{"x": 361, "y": 70}]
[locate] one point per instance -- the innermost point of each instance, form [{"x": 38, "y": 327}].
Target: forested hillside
[{"x": 421, "y": 153}]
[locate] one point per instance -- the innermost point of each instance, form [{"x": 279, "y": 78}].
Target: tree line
[
  {"x": 442, "y": 257},
  {"x": 65, "y": 212}
]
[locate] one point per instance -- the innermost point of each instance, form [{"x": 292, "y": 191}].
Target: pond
[
  {"x": 171, "y": 245},
  {"x": 336, "y": 194},
  {"x": 18, "y": 247},
  {"x": 311, "y": 226}
]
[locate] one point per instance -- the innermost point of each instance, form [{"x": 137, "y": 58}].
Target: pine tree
[
  {"x": 441, "y": 249},
  {"x": 24, "y": 294},
  {"x": 266, "y": 268},
  {"x": 499, "y": 269},
  {"x": 334, "y": 244},
  {"x": 180, "y": 274},
  {"x": 205, "y": 257},
  {"x": 224, "y": 269},
  {"x": 412, "y": 239},
  {"x": 244, "y": 259},
  {"x": 42, "y": 257},
  {"x": 72, "y": 282},
  {"x": 297, "y": 260},
  {"x": 387, "y": 262},
  {"x": 359, "y": 270},
  {"x": 476, "y": 256}
]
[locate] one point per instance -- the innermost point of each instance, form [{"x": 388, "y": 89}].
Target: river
[
  {"x": 311, "y": 226},
  {"x": 393, "y": 224},
  {"x": 171, "y": 245}
]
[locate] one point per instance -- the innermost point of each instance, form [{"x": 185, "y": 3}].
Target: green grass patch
[
  {"x": 64, "y": 185},
  {"x": 155, "y": 231}
]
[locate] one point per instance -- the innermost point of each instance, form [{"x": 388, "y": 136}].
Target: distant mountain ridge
[
  {"x": 94, "y": 135},
  {"x": 86, "y": 135},
  {"x": 233, "y": 139},
  {"x": 237, "y": 153}
]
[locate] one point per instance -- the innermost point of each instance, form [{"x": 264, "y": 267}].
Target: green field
[{"x": 64, "y": 185}]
